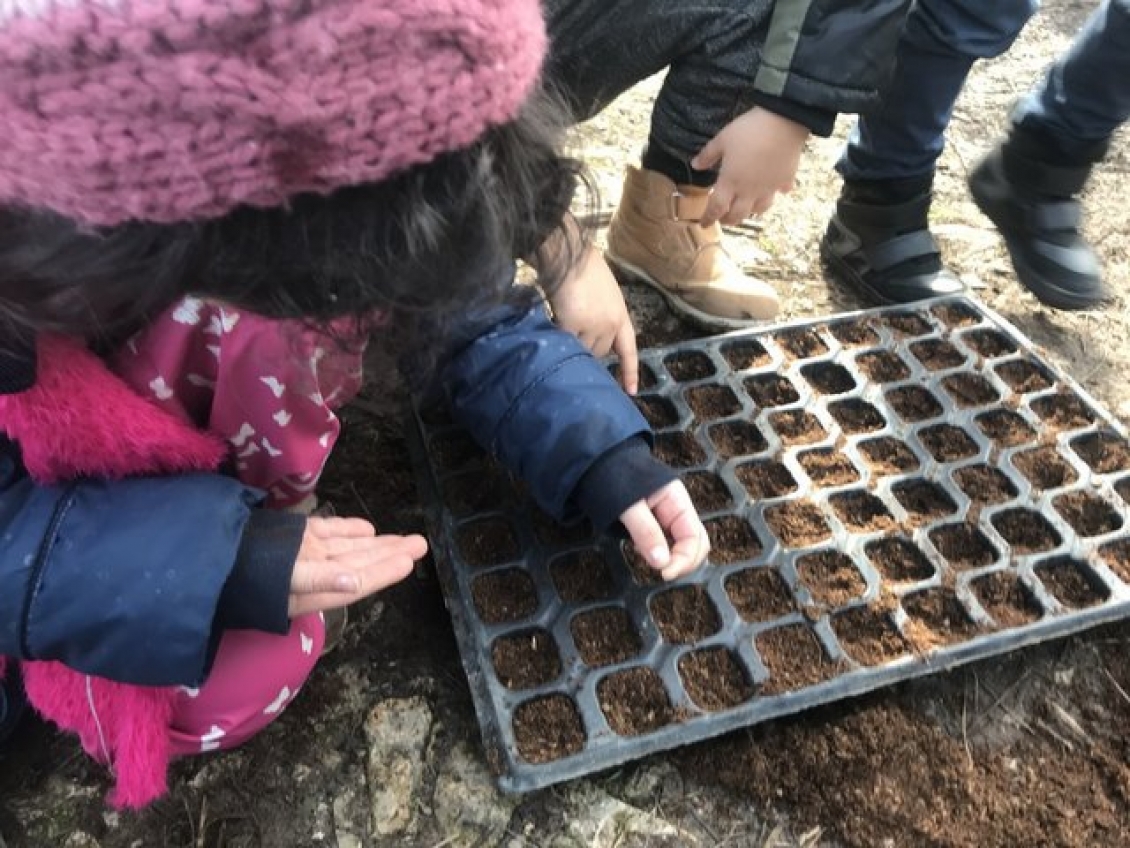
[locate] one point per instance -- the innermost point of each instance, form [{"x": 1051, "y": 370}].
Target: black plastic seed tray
[{"x": 889, "y": 493}]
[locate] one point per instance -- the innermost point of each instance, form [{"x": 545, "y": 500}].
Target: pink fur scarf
[{"x": 62, "y": 437}]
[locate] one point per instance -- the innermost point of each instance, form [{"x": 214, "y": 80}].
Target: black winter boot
[
  {"x": 879, "y": 243},
  {"x": 1032, "y": 201}
]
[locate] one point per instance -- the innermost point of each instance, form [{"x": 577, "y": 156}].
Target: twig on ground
[{"x": 1117, "y": 687}]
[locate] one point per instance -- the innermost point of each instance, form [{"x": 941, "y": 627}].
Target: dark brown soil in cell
[
  {"x": 647, "y": 376},
  {"x": 828, "y": 378},
  {"x": 634, "y": 701},
  {"x": 882, "y": 366},
  {"x": 923, "y": 501},
  {"x": 794, "y": 658},
  {"x": 868, "y": 636},
  {"x": 525, "y": 660},
  {"x": 641, "y": 573},
  {"x": 936, "y": 618},
  {"x": 1104, "y": 453},
  {"x": 547, "y": 729},
  {"x": 714, "y": 679},
  {"x": 831, "y": 577},
  {"x": 1117, "y": 557},
  {"x": 798, "y": 524},
  {"x": 887, "y": 455},
  {"x": 937, "y": 354},
  {"x": 1087, "y": 513},
  {"x": 857, "y": 333},
  {"x": 737, "y": 438},
  {"x": 759, "y": 594},
  {"x": 768, "y": 479},
  {"x": 708, "y": 491},
  {"x": 857, "y": 416},
  {"x": 1026, "y": 531},
  {"x": 955, "y": 315},
  {"x": 908, "y": 323},
  {"x": 731, "y": 539},
  {"x": 1063, "y": 411},
  {"x": 797, "y": 427},
  {"x": 604, "y": 636},
  {"x": 685, "y": 615},
  {"x": 801, "y": 344},
  {"x": 1006, "y": 428},
  {"x": 1024, "y": 376},
  {"x": 947, "y": 443},
  {"x": 862, "y": 512},
  {"x": 827, "y": 468},
  {"x": 504, "y": 596},
  {"x": 1071, "y": 583},
  {"x": 711, "y": 402},
  {"x": 771, "y": 390},
  {"x": 487, "y": 542},
  {"x": 914, "y": 403},
  {"x": 1044, "y": 468},
  {"x": 476, "y": 491},
  {"x": 658, "y": 411},
  {"x": 582, "y": 577},
  {"x": 690, "y": 365},
  {"x": 988, "y": 343},
  {"x": 984, "y": 485},
  {"x": 899, "y": 560},
  {"x": 963, "y": 546},
  {"x": 553, "y": 532},
  {"x": 456, "y": 450},
  {"x": 970, "y": 390},
  {"x": 1006, "y": 599},
  {"x": 679, "y": 450},
  {"x": 746, "y": 354}
]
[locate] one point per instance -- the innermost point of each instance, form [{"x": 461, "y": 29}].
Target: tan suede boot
[{"x": 654, "y": 236}]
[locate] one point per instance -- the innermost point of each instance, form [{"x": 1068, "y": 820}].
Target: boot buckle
[{"x": 686, "y": 208}]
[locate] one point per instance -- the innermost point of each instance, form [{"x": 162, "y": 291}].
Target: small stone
[
  {"x": 397, "y": 731},
  {"x": 80, "y": 839},
  {"x": 466, "y": 800}
]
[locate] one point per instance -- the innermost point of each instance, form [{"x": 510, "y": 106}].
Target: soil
[
  {"x": 1024, "y": 376},
  {"x": 487, "y": 542},
  {"x": 857, "y": 333},
  {"x": 936, "y": 618},
  {"x": 882, "y": 366},
  {"x": 685, "y": 615},
  {"x": 688, "y": 366},
  {"x": 828, "y": 378},
  {"x": 524, "y": 660},
  {"x": 679, "y": 450},
  {"x": 745, "y": 354},
  {"x": 1006, "y": 428},
  {"x": 771, "y": 390},
  {"x": 984, "y": 485},
  {"x": 988, "y": 343},
  {"x": 827, "y": 468},
  {"x": 1027, "y": 532},
  {"x": 924, "y": 502},
  {"x": 899, "y": 560},
  {"x": 659, "y": 412},
  {"x": 831, "y": 577},
  {"x": 547, "y": 729},
  {"x": 1070, "y": 582},
  {"x": 634, "y": 701},
  {"x": 794, "y": 658},
  {"x": 1006, "y": 599},
  {"x": 737, "y": 438},
  {"x": 1063, "y": 411},
  {"x": 768, "y": 479},
  {"x": 963, "y": 546},
  {"x": 1088, "y": 514},
  {"x": 906, "y": 324},
  {"x": 937, "y": 354},
  {"x": 731, "y": 539},
  {"x": 714, "y": 679},
  {"x": 857, "y": 416},
  {"x": 947, "y": 443},
  {"x": 798, "y": 524},
  {"x": 868, "y": 636},
  {"x": 708, "y": 491},
  {"x": 914, "y": 403},
  {"x": 759, "y": 594},
  {"x": 1044, "y": 468},
  {"x": 955, "y": 315},
  {"x": 582, "y": 577},
  {"x": 862, "y": 512},
  {"x": 800, "y": 344},
  {"x": 888, "y": 455},
  {"x": 797, "y": 427},
  {"x": 504, "y": 596},
  {"x": 968, "y": 390},
  {"x": 604, "y": 636},
  {"x": 711, "y": 402},
  {"x": 1105, "y": 453}
]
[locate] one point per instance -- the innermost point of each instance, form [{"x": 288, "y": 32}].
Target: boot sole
[{"x": 680, "y": 306}]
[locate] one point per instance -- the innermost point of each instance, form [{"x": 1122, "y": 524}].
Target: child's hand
[
  {"x": 590, "y": 305},
  {"x": 759, "y": 152},
  {"x": 668, "y": 513},
  {"x": 343, "y": 560}
]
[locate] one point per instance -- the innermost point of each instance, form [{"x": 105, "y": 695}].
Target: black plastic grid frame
[{"x": 890, "y": 493}]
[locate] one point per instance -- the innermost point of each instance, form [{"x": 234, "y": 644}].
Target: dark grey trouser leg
[{"x": 601, "y": 48}]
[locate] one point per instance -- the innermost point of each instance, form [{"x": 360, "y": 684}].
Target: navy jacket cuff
[
  {"x": 620, "y": 477},
  {"x": 257, "y": 592}
]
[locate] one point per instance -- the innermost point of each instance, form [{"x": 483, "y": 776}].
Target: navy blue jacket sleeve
[
  {"x": 533, "y": 396},
  {"x": 126, "y": 579}
]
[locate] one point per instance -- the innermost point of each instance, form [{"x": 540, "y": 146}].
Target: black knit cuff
[
  {"x": 257, "y": 593},
  {"x": 623, "y": 475}
]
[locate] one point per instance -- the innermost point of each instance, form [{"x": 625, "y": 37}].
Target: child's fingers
[
  {"x": 710, "y": 155},
  {"x": 719, "y": 204},
  {"x": 676, "y": 513},
  {"x": 647, "y": 535},
  {"x": 625, "y": 348}
]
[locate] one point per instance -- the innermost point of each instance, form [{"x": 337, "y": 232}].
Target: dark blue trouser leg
[{"x": 943, "y": 38}]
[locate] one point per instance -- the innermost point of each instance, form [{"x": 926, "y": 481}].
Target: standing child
[
  {"x": 747, "y": 81},
  {"x": 207, "y": 210}
]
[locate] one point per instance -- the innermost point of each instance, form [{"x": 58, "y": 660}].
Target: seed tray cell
[{"x": 889, "y": 493}]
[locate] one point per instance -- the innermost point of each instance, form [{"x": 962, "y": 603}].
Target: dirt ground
[{"x": 1025, "y": 750}]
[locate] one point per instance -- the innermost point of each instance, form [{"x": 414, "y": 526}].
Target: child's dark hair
[{"x": 419, "y": 247}]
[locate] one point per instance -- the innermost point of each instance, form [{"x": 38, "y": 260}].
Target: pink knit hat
[{"x": 168, "y": 110}]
